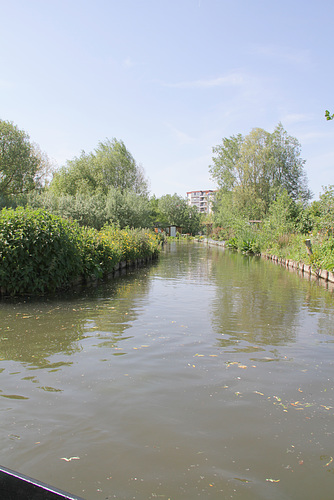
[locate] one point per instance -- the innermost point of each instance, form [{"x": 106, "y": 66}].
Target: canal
[{"x": 207, "y": 374}]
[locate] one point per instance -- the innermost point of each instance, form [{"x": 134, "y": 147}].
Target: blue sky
[{"x": 170, "y": 79}]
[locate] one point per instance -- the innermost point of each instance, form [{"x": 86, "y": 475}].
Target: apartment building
[{"x": 201, "y": 199}]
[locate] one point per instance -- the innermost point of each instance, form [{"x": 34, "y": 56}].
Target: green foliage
[
  {"x": 219, "y": 233},
  {"x": 282, "y": 231},
  {"x": 279, "y": 220},
  {"x": 324, "y": 219},
  {"x": 110, "y": 165},
  {"x": 128, "y": 209},
  {"x": 251, "y": 171},
  {"x": 41, "y": 252},
  {"x": 87, "y": 210},
  {"x": 95, "y": 210},
  {"x": 38, "y": 251},
  {"x": 23, "y": 166},
  {"x": 225, "y": 164},
  {"x": 232, "y": 243},
  {"x": 329, "y": 116},
  {"x": 174, "y": 210},
  {"x": 132, "y": 244},
  {"x": 323, "y": 254},
  {"x": 99, "y": 253}
]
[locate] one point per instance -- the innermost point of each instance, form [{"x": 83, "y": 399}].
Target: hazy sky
[{"x": 170, "y": 78}]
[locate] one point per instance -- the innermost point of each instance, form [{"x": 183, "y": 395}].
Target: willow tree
[
  {"x": 23, "y": 166},
  {"x": 111, "y": 165},
  {"x": 256, "y": 168}
]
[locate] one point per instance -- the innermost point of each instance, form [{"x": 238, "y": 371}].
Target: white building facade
[{"x": 202, "y": 200}]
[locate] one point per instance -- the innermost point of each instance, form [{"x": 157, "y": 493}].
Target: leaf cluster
[
  {"x": 110, "y": 165},
  {"x": 38, "y": 251},
  {"x": 41, "y": 252},
  {"x": 174, "y": 210},
  {"x": 23, "y": 166},
  {"x": 253, "y": 170}
]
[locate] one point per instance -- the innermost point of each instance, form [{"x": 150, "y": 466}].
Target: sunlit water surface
[{"x": 205, "y": 375}]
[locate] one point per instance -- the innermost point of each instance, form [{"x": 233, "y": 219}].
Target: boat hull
[{"x": 15, "y": 486}]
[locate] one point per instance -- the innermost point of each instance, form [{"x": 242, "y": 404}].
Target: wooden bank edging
[
  {"x": 80, "y": 280},
  {"x": 288, "y": 263},
  {"x": 124, "y": 264},
  {"x": 300, "y": 266}
]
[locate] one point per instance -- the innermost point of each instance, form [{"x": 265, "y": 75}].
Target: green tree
[
  {"x": 174, "y": 210},
  {"x": 326, "y": 209},
  {"x": 128, "y": 209},
  {"x": 280, "y": 217},
  {"x": 110, "y": 165},
  {"x": 256, "y": 168},
  {"x": 227, "y": 155},
  {"x": 287, "y": 166},
  {"x": 23, "y": 166},
  {"x": 116, "y": 167}
]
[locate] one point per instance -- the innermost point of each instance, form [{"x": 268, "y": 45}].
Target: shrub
[
  {"x": 99, "y": 253},
  {"x": 232, "y": 243},
  {"x": 38, "y": 251},
  {"x": 41, "y": 252},
  {"x": 323, "y": 254},
  {"x": 132, "y": 243}
]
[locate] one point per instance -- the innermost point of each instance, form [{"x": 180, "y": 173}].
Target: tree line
[
  {"x": 260, "y": 177},
  {"x": 105, "y": 186}
]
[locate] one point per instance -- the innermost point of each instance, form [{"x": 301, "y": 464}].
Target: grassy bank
[
  {"x": 290, "y": 246},
  {"x": 41, "y": 252}
]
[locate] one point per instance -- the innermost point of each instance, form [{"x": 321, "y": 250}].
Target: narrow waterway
[{"x": 205, "y": 375}]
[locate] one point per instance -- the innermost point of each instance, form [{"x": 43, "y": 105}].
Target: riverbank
[{"x": 288, "y": 263}]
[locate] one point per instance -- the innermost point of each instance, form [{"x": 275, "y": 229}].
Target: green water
[{"x": 206, "y": 375}]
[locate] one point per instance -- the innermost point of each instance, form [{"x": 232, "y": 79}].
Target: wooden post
[{"x": 308, "y": 247}]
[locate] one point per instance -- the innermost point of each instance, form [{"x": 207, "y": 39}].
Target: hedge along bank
[{"x": 41, "y": 252}]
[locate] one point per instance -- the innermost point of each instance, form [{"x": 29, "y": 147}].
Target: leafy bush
[
  {"x": 38, "y": 251},
  {"x": 232, "y": 243},
  {"x": 132, "y": 244},
  {"x": 249, "y": 246},
  {"x": 323, "y": 254},
  {"x": 41, "y": 252},
  {"x": 99, "y": 253},
  {"x": 220, "y": 233},
  {"x": 87, "y": 210}
]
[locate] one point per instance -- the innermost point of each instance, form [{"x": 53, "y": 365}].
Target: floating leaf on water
[
  {"x": 12, "y": 396},
  {"x": 50, "y": 389}
]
